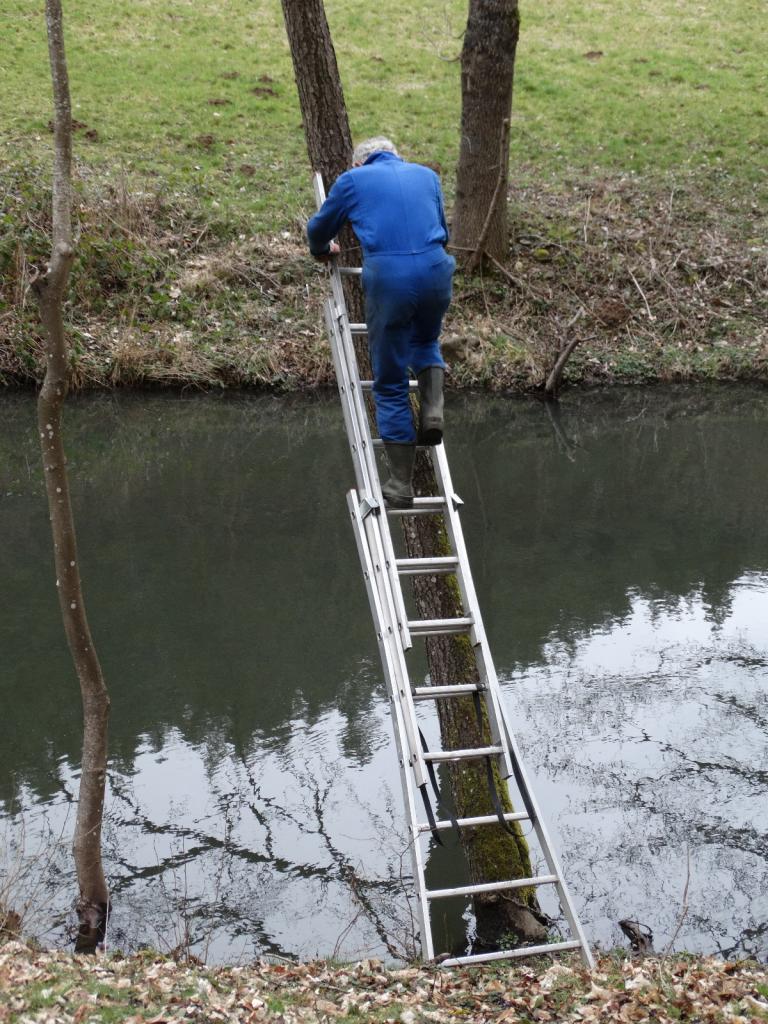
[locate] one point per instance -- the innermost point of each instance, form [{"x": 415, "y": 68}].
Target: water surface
[{"x": 620, "y": 552}]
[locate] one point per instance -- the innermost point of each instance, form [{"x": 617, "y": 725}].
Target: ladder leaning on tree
[{"x": 383, "y": 572}]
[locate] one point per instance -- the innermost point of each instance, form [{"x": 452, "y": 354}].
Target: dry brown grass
[
  {"x": 662, "y": 283},
  {"x": 656, "y": 285}
]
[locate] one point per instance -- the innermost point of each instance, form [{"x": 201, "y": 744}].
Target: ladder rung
[
  {"x": 377, "y": 442},
  {"x": 421, "y": 507},
  {"x": 367, "y": 385},
  {"x": 440, "y": 627},
  {"x": 435, "y": 692},
  {"x": 350, "y": 271},
  {"x": 427, "y": 566},
  {"x": 475, "y": 890},
  {"x": 482, "y": 819},
  {"x": 521, "y": 951},
  {"x": 461, "y": 755}
]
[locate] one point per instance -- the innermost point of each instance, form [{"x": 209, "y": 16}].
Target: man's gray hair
[{"x": 379, "y": 144}]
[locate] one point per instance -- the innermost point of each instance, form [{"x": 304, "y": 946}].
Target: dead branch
[{"x": 556, "y": 373}]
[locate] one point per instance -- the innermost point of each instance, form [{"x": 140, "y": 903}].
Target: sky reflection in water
[{"x": 622, "y": 565}]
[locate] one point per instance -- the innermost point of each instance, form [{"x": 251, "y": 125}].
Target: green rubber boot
[
  {"x": 398, "y": 490},
  {"x": 431, "y": 405}
]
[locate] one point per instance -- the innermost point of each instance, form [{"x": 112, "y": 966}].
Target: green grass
[
  {"x": 638, "y": 177},
  {"x": 678, "y": 85}
]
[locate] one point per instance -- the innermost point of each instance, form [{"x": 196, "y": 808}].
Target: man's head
[{"x": 379, "y": 144}]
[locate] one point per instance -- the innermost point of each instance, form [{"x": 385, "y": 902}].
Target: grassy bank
[
  {"x": 55, "y": 986},
  {"x": 202, "y": 95},
  {"x": 638, "y": 192}
]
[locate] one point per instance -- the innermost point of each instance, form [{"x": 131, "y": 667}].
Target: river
[{"x": 620, "y": 552}]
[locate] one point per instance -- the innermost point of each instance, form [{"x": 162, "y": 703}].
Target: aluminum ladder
[{"x": 395, "y": 632}]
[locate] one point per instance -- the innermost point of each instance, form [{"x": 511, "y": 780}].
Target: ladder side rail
[
  {"x": 335, "y": 315},
  {"x": 366, "y": 471},
  {"x": 318, "y": 186},
  {"x": 494, "y": 703},
  {"x": 361, "y": 466},
  {"x": 553, "y": 861},
  {"x": 370, "y": 454},
  {"x": 485, "y": 665},
  {"x": 378, "y": 538},
  {"x": 366, "y": 450},
  {"x": 356, "y": 395},
  {"x": 348, "y": 358},
  {"x": 375, "y": 527},
  {"x": 384, "y": 639},
  {"x": 401, "y": 679},
  {"x": 345, "y": 360},
  {"x": 358, "y": 402}
]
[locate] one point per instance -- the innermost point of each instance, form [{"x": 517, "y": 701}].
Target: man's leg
[
  {"x": 389, "y": 336},
  {"x": 426, "y": 358},
  {"x": 388, "y": 312}
]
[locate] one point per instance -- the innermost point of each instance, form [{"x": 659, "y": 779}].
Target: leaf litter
[{"x": 58, "y": 987}]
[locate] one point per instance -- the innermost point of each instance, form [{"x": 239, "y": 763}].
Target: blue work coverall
[{"x": 396, "y": 209}]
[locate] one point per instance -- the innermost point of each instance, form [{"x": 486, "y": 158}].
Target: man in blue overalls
[{"x": 396, "y": 209}]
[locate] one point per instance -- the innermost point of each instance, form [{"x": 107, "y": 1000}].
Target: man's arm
[
  {"x": 329, "y": 219},
  {"x": 441, "y": 210}
]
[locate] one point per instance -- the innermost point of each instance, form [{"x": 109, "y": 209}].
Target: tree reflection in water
[{"x": 622, "y": 568}]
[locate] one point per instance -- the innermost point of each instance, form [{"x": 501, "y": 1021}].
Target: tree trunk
[
  {"x": 487, "y": 73},
  {"x": 50, "y": 289},
  {"x": 326, "y": 124},
  {"x": 492, "y": 854}
]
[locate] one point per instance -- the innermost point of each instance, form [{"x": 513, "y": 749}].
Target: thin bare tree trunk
[
  {"x": 487, "y": 74},
  {"x": 492, "y": 853},
  {"x": 50, "y": 289}
]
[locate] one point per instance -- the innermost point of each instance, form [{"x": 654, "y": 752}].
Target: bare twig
[
  {"x": 684, "y": 906},
  {"x": 523, "y": 285},
  {"x": 651, "y": 317},
  {"x": 477, "y": 256},
  {"x": 587, "y": 212},
  {"x": 518, "y": 282}
]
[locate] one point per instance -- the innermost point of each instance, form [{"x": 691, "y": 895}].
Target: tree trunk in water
[
  {"x": 487, "y": 73},
  {"x": 492, "y": 853},
  {"x": 50, "y": 289}
]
